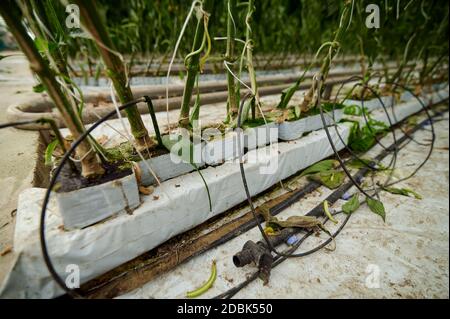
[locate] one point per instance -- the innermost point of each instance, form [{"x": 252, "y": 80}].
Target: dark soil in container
[{"x": 68, "y": 180}]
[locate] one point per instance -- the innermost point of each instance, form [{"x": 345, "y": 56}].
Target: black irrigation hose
[
  {"x": 52, "y": 183},
  {"x": 249, "y": 199},
  {"x": 279, "y": 259},
  {"x": 244, "y": 181},
  {"x": 355, "y": 183},
  {"x": 10, "y": 124},
  {"x": 394, "y": 147},
  {"x": 433, "y": 135},
  {"x": 394, "y": 158},
  {"x": 336, "y": 153}
]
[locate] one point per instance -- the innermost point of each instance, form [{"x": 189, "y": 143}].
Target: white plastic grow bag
[
  {"x": 371, "y": 104},
  {"x": 169, "y": 166},
  {"x": 292, "y": 130},
  {"x": 259, "y": 136},
  {"x": 86, "y": 206},
  {"x": 223, "y": 148}
]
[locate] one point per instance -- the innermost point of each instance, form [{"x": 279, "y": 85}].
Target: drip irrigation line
[
  {"x": 394, "y": 158},
  {"x": 10, "y": 124},
  {"x": 394, "y": 147},
  {"x": 371, "y": 166},
  {"x": 279, "y": 259}
]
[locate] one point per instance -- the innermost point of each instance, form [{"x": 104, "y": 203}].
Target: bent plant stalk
[
  {"x": 115, "y": 70},
  {"x": 90, "y": 162},
  {"x": 192, "y": 63},
  {"x": 232, "y": 102},
  {"x": 310, "y": 100},
  {"x": 250, "y": 66}
]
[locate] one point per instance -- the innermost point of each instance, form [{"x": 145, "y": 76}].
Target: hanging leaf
[
  {"x": 39, "y": 88},
  {"x": 43, "y": 45},
  {"x": 297, "y": 111},
  {"x": 321, "y": 166},
  {"x": 331, "y": 179},
  {"x": 351, "y": 205},
  {"x": 402, "y": 191},
  {"x": 286, "y": 95},
  {"x": 195, "y": 112},
  {"x": 377, "y": 207},
  {"x": 49, "y": 152},
  {"x": 294, "y": 221}
]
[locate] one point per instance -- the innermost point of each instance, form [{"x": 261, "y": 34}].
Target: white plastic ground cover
[
  {"x": 86, "y": 206},
  {"x": 292, "y": 130},
  {"x": 178, "y": 205}
]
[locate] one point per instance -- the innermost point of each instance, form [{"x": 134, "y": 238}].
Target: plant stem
[
  {"x": 192, "y": 69},
  {"x": 250, "y": 67},
  {"x": 309, "y": 100},
  {"x": 232, "y": 103},
  {"x": 115, "y": 70},
  {"x": 90, "y": 163}
]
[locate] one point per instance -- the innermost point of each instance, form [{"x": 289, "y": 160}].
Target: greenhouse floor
[
  {"x": 406, "y": 257},
  {"x": 17, "y": 168}
]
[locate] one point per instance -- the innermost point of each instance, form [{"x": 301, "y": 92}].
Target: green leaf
[
  {"x": 39, "y": 88},
  {"x": 49, "y": 152},
  {"x": 351, "y": 205},
  {"x": 377, "y": 207},
  {"x": 286, "y": 96},
  {"x": 352, "y": 110},
  {"x": 321, "y": 166},
  {"x": 331, "y": 179},
  {"x": 43, "y": 45},
  {"x": 297, "y": 111},
  {"x": 359, "y": 163},
  {"x": 402, "y": 191}
]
